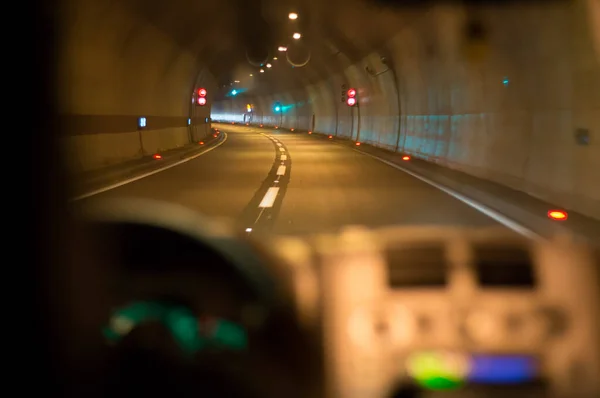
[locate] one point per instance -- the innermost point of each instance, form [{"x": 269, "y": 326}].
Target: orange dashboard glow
[{"x": 558, "y": 215}]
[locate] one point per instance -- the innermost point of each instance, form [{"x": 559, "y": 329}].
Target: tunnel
[{"x": 497, "y": 103}]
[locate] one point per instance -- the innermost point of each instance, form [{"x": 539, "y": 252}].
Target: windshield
[
  {"x": 291, "y": 118},
  {"x": 283, "y": 117}
]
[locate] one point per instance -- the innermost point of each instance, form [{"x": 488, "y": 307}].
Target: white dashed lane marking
[{"x": 269, "y": 197}]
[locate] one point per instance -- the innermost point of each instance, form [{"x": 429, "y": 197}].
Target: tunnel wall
[
  {"x": 521, "y": 107},
  {"x": 115, "y": 67}
]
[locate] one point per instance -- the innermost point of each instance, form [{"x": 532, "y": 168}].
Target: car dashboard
[{"x": 419, "y": 311}]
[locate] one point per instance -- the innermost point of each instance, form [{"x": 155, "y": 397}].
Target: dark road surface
[{"x": 321, "y": 187}]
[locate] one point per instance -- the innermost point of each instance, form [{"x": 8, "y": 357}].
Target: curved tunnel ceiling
[{"x": 222, "y": 33}]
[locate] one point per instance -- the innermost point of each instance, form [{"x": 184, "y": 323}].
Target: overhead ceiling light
[
  {"x": 293, "y": 15},
  {"x": 274, "y": 58},
  {"x": 282, "y": 48},
  {"x": 251, "y": 75},
  {"x": 236, "y": 81},
  {"x": 262, "y": 71},
  {"x": 269, "y": 65},
  {"x": 297, "y": 36}
]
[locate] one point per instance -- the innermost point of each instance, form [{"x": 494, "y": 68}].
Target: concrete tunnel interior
[{"x": 510, "y": 94}]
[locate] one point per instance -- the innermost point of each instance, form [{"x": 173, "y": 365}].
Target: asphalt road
[{"x": 321, "y": 187}]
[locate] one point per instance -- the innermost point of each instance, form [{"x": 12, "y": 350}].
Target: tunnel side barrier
[{"x": 97, "y": 142}]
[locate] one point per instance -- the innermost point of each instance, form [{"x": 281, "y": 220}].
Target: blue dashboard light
[{"x": 508, "y": 369}]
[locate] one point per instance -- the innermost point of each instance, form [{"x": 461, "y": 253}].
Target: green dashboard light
[
  {"x": 125, "y": 319},
  {"x": 181, "y": 322},
  {"x": 228, "y": 334},
  {"x": 438, "y": 371},
  {"x": 184, "y": 327}
]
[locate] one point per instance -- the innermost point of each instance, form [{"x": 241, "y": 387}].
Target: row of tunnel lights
[{"x": 296, "y": 36}]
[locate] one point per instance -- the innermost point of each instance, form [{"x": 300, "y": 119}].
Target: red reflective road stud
[{"x": 558, "y": 215}]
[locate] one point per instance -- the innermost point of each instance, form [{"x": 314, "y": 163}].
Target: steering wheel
[{"x": 197, "y": 309}]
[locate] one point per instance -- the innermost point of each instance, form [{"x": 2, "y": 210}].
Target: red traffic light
[
  {"x": 351, "y": 101},
  {"x": 202, "y": 92},
  {"x": 201, "y": 101},
  {"x": 351, "y": 93}
]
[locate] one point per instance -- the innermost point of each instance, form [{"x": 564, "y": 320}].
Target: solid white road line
[
  {"x": 283, "y": 157},
  {"x": 502, "y": 219},
  {"x": 269, "y": 197},
  {"x": 281, "y": 170},
  {"x": 124, "y": 182}
]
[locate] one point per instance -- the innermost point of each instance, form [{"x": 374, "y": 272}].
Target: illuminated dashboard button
[
  {"x": 438, "y": 370},
  {"x": 484, "y": 326},
  {"x": 403, "y": 325},
  {"x": 367, "y": 327},
  {"x": 502, "y": 369}
]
